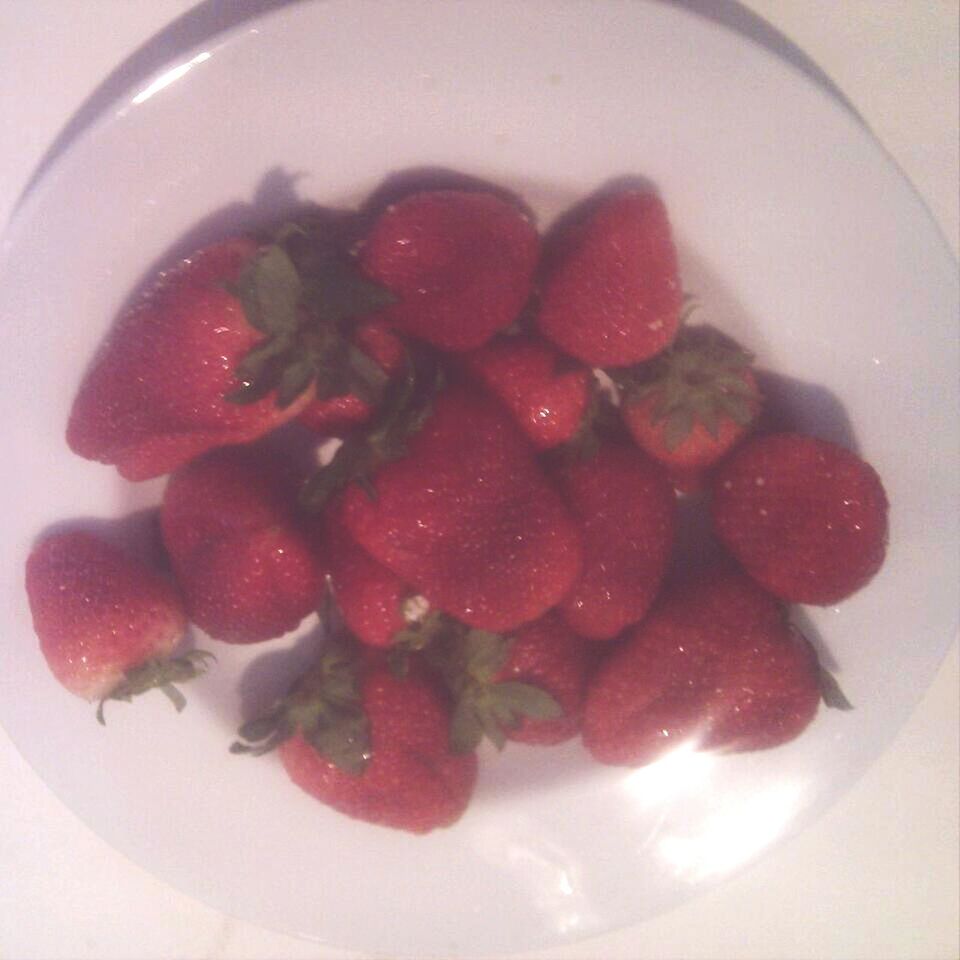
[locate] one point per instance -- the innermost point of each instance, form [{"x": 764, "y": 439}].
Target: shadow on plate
[
  {"x": 136, "y": 533},
  {"x": 211, "y": 18}
]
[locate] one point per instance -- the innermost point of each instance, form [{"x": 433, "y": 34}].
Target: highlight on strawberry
[{"x": 715, "y": 665}]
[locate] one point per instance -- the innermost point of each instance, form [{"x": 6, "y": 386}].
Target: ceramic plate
[{"x": 797, "y": 234}]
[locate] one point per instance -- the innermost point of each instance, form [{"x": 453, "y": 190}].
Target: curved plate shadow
[{"x": 211, "y": 18}]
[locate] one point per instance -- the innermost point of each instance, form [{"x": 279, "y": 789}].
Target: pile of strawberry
[{"x": 492, "y": 545}]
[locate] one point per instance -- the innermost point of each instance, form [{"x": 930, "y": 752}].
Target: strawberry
[
  {"x": 690, "y": 404},
  {"x": 611, "y": 293},
  {"x": 367, "y": 743},
  {"x": 370, "y": 595},
  {"x": 460, "y": 264},
  {"x": 467, "y": 517},
  {"x": 547, "y": 395},
  {"x": 548, "y": 655},
  {"x": 230, "y": 525},
  {"x": 715, "y": 664},
  {"x": 155, "y": 395},
  {"x": 806, "y": 518},
  {"x": 227, "y": 346},
  {"x": 107, "y": 624},
  {"x": 334, "y": 415},
  {"x": 527, "y": 687},
  {"x": 626, "y": 508}
]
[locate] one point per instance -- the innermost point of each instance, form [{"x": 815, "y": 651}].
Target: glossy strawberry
[
  {"x": 715, "y": 665},
  {"x": 460, "y": 264},
  {"x": 527, "y": 686},
  {"x": 546, "y": 393},
  {"x": 107, "y": 624},
  {"x": 467, "y": 517},
  {"x": 229, "y": 523},
  {"x": 369, "y": 744},
  {"x": 548, "y": 655},
  {"x": 370, "y": 596},
  {"x": 806, "y": 518},
  {"x": 626, "y": 508},
  {"x": 690, "y": 404},
  {"x": 334, "y": 415},
  {"x": 611, "y": 295},
  {"x": 155, "y": 396}
]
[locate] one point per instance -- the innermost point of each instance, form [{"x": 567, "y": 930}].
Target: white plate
[{"x": 797, "y": 234}]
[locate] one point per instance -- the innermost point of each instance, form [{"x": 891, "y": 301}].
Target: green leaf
[
  {"x": 294, "y": 380},
  {"x": 527, "y": 700},
  {"x": 485, "y": 653},
  {"x": 260, "y": 728},
  {"x": 404, "y": 407},
  {"x": 270, "y": 291},
  {"x": 492, "y": 727},
  {"x": 262, "y": 369},
  {"x": 466, "y": 730},
  {"x": 677, "y": 428},
  {"x": 367, "y": 379},
  {"x": 831, "y": 693},
  {"x": 738, "y": 409},
  {"x": 351, "y": 462},
  {"x": 708, "y": 416},
  {"x": 336, "y": 290},
  {"x": 345, "y": 741},
  {"x": 159, "y": 674}
]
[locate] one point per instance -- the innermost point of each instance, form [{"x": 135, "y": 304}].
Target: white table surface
[{"x": 876, "y": 877}]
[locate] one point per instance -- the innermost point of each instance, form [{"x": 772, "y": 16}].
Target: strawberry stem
[
  {"x": 404, "y": 408},
  {"x": 323, "y": 705},
  {"x": 159, "y": 675},
  {"x": 833, "y": 696}
]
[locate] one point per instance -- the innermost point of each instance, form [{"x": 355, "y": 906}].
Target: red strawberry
[
  {"x": 528, "y": 687},
  {"x": 547, "y": 395},
  {"x": 806, "y": 518},
  {"x": 336, "y": 414},
  {"x": 467, "y": 517},
  {"x": 460, "y": 264},
  {"x": 627, "y": 508},
  {"x": 229, "y": 523},
  {"x": 689, "y": 405},
  {"x": 611, "y": 296},
  {"x": 548, "y": 655},
  {"x": 369, "y": 744},
  {"x": 715, "y": 664},
  {"x": 155, "y": 396},
  {"x": 370, "y": 595},
  {"x": 107, "y": 624}
]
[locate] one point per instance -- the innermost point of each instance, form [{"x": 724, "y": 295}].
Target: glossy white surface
[{"x": 688, "y": 857}]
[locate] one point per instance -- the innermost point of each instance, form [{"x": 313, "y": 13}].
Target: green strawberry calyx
[
  {"x": 304, "y": 294},
  {"x": 702, "y": 378},
  {"x": 323, "y": 706},
  {"x": 831, "y": 693},
  {"x": 405, "y": 405},
  {"x": 159, "y": 674},
  {"x": 468, "y": 662},
  {"x": 600, "y": 421}
]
